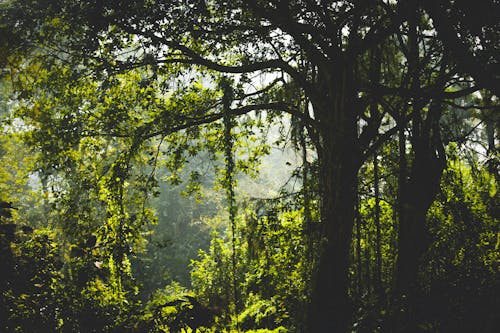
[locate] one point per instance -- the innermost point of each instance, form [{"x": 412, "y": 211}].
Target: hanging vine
[{"x": 228, "y": 142}]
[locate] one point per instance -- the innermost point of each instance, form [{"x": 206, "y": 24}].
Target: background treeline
[{"x": 249, "y": 166}]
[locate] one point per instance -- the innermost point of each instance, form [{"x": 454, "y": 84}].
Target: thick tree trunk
[
  {"x": 413, "y": 241},
  {"x": 330, "y": 306},
  {"x": 330, "y": 309},
  {"x": 417, "y": 195}
]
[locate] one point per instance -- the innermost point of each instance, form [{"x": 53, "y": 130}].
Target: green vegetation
[{"x": 249, "y": 166}]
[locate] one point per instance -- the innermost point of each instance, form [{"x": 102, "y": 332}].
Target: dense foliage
[{"x": 249, "y": 166}]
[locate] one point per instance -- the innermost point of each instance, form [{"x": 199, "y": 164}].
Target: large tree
[{"x": 265, "y": 56}]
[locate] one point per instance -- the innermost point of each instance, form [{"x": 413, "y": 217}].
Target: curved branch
[
  {"x": 433, "y": 91},
  {"x": 466, "y": 59},
  {"x": 185, "y": 123}
]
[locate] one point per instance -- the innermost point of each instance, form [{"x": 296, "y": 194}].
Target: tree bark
[
  {"x": 418, "y": 190},
  {"x": 330, "y": 309},
  {"x": 416, "y": 196}
]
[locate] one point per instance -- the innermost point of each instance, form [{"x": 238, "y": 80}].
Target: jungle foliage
[{"x": 249, "y": 166}]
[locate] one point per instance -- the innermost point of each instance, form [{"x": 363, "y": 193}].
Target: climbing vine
[{"x": 228, "y": 121}]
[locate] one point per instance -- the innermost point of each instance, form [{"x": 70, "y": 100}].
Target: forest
[{"x": 300, "y": 166}]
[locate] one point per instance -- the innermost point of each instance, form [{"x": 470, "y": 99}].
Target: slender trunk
[
  {"x": 378, "y": 251},
  {"x": 375, "y": 68},
  {"x": 409, "y": 223},
  {"x": 307, "y": 224},
  {"x": 367, "y": 254},
  {"x": 402, "y": 183},
  {"x": 358, "y": 250},
  {"x": 306, "y": 195}
]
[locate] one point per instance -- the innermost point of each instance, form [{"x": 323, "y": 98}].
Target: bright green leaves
[
  {"x": 271, "y": 273},
  {"x": 462, "y": 217},
  {"x": 102, "y": 142}
]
